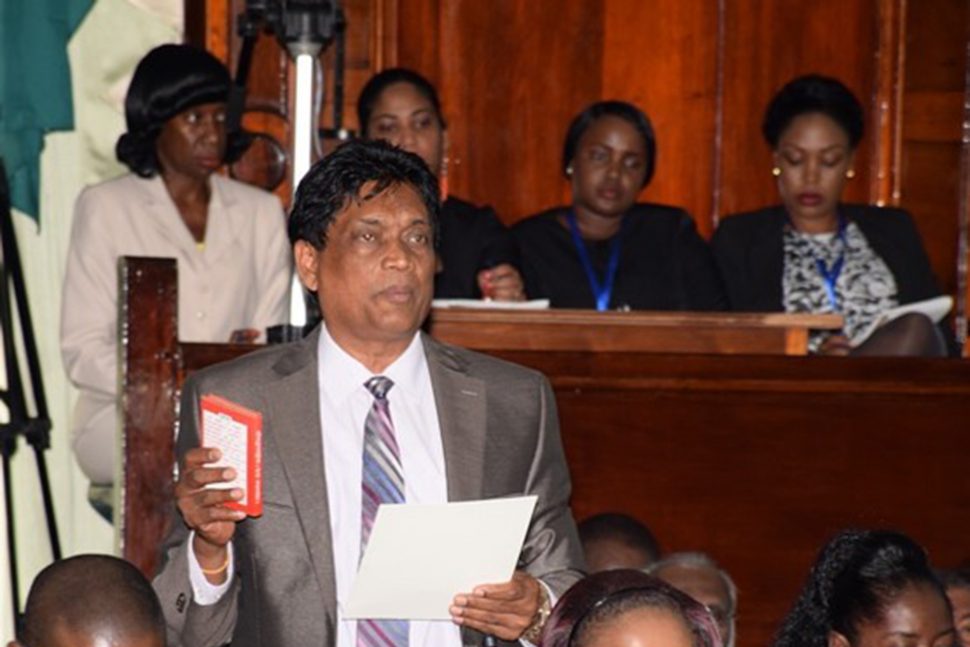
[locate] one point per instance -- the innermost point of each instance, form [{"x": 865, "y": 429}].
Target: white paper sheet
[
  {"x": 488, "y": 304},
  {"x": 935, "y": 308},
  {"x": 420, "y": 556}
]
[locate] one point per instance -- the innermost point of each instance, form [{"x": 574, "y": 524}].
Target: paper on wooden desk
[{"x": 420, "y": 556}]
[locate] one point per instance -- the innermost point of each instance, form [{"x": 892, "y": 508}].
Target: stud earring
[
  {"x": 850, "y": 174},
  {"x": 776, "y": 171},
  {"x": 569, "y": 171}
]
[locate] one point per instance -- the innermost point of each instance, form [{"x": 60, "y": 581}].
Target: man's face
[{"x": 374, "y": 276}]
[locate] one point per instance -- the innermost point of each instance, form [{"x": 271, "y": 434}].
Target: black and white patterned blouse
[{"x": 865, "y": 287}]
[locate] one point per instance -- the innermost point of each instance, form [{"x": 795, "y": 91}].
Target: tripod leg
[
  {"x": 45, "y": 490},
  {"x": 6, "y": 450}
]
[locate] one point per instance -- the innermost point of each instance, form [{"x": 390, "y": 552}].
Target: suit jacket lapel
[
  {"x": 294, "y": 402},
  {"x": 225, "y": 221},
  {"x": 162, "y": 212},
  {"x": 460, "y": 402}
]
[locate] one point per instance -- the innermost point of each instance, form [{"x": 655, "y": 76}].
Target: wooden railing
[{"x": 755, "y": 459}]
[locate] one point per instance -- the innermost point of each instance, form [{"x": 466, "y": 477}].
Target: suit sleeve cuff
[
  {"x": 204, "y": 592},
  {"x": 552, "y": 602}
]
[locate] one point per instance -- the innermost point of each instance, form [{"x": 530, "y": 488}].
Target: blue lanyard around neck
[
  {"x": 602, "y": 292},
  {"x": 830, "y": 275}
]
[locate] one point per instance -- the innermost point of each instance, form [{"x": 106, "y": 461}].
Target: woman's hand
[
  {"x": 501, "y": 283},
  {"x": 836, "y": 345},
  {"x": 244, "y": 336}
]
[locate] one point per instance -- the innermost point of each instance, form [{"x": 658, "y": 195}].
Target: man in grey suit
[{"x": 462, "y": 425}]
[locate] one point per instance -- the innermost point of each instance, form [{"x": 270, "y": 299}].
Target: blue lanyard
[
  {"x": 601, "y": 291},
  {"x": 830, "y": 275}
]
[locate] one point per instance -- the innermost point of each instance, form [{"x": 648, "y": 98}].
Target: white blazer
[{"x": 238, "y": 279}]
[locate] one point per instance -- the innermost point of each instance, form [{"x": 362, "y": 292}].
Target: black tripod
[{"x": 35, "y": 429}]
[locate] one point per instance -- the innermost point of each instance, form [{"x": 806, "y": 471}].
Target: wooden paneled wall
[{"x": 512, "y": 74}]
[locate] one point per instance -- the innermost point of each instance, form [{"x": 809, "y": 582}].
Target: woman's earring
[
  {"x": 443, "y": 179},
  {"x": 569, "y": 171},
  {"x": 776, "y": 171},
  {"x": 850, "y": 174}
]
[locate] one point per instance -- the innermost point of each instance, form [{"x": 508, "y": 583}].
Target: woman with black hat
[{"x": 229, "y": 238}]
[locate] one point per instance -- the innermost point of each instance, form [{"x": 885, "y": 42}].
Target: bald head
[
  {"x": 92, "y": 601},
  {"x": 700, "y": 577}
]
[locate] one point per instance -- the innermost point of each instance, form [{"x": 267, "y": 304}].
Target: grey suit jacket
[{"x": 500, "y": 433}]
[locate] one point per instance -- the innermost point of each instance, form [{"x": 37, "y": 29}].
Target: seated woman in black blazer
[
  {"x": 813, "y": 253},
  {"x": 476, "y": 254},
  {"x": 604, "y": 251}
]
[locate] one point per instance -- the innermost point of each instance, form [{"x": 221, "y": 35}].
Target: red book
[{"x": 238, "y": 433}]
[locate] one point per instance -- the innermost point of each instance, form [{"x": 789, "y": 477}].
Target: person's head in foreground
[
  {"x": 92, "y": 601},
  {"x": 627, "y": 608},
  {"x": 614, "y": 540},
  {"x": 957, "y": 583},
  {"x": 700, "y": 577},
  {"x": 869, "y": 588},
  {"x": 363, "y": 229}
]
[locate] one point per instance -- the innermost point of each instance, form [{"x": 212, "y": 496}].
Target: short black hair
[
  {"x": 620, "y": 527},
  {"x": 603, "y": 597},
  {"x": 855, "y": 577},
  {"x": 330, "y": 185},
  {"x": 813, "y": 93},
  {"x": 955, "y": 578},
  {"x": 623, "y": 110},
  {"x": 168, "y": 80},
  {"x": 375, "y": 87},
  {"x": 91, "y": 594}
]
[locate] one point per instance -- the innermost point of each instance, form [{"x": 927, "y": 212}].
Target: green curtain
[{"x": 35, "y": 87}]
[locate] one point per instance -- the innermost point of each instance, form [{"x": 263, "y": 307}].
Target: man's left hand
[{"x": 502, "y": 610}]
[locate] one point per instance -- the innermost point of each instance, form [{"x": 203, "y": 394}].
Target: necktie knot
[{"x": 379, "y": 386}]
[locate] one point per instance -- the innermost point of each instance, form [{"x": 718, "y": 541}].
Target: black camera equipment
[
  {"x": 301, "y": 27},
  {"x": 34, "y": 428}
]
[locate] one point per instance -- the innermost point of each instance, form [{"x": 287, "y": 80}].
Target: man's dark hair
[
  {"x": 339, "y": 178},
  {"x": 809, "y": 94},
  {"x": 622, "y": 110},
  {"x": 858, "y": 574},
  {"x": 375, "y": 87},
  {"x": 622, "y": 528},
  {"x": 91, "y": 594}
]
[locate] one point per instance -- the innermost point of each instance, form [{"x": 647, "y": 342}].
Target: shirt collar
[{"x": 341, "y": 374}]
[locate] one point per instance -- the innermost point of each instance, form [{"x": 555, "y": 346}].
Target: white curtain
[{"x": 103, "y": 53}]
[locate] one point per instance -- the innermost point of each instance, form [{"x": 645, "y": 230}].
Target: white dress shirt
[{"x": 344, "y": 404}]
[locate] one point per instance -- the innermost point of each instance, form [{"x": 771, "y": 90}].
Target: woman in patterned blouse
[{"x": 814, "y": 253}]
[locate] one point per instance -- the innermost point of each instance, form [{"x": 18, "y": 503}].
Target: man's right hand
[{"x": 204, "y": 511}]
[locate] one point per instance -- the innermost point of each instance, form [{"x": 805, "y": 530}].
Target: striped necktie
[{"x": 382, "y": 481}]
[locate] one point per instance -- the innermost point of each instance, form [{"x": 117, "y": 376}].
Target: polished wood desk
[
  {"x": 755, "y": 459},
  {"x": 653, "y": 332}
]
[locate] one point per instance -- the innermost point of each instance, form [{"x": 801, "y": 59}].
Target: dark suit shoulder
[
  {"x": 659, "y": 212},
  {"x": 645, "y": 214},
  {"x": 770, "y": 218},
  {"x": 465, "y": 211},
  {"x": 868, "y": 216},
  {"x": 479, "y": 365},
  {"x": 254, "y": 369},
  {"x": 538, "y": 224}
]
